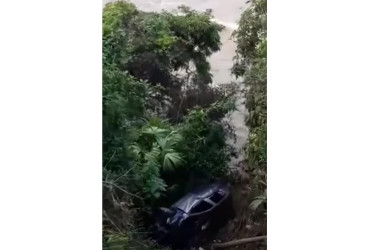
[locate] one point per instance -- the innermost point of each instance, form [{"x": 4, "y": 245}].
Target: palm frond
[
  {"x": 156, "y": 131},
  {"x": 172, "y": 160},
  {"x": 161, "y": 142},
  {"x": 173, "y": 139}
]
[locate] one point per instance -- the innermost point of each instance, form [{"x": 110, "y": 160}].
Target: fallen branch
[
  {"x": 111, "y": 221},
  {"x": 123, "y": 190},
  {"x": 237, "y": 242}
]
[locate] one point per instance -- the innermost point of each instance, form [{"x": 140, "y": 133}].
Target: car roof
[{"x": 189, "y": 200}]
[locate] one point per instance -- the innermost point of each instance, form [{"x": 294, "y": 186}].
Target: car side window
[
  {"x": 216, "y": 197},
  {"x": 201, "y": 207}
]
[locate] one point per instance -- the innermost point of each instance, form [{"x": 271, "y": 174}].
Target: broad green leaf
[
  {"x": 172, "y": 160},
  {"x": 256, "y": 204}
]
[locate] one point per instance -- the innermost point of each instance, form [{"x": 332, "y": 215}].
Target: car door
[{"x": 201, "y": 213}]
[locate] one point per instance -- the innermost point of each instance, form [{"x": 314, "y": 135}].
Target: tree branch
[
  {"x": 123, "y": 190},
  {"x": 125, "y": 174},
  {"x": 110, "y": 159},
  {"x": 111, "y": 221},
  {"x": 237, "y": 242}
]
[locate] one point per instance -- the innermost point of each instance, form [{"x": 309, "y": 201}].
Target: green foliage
[
  {"x": 152, "y": 46},
  {"x": 123, "y": 105},
  {"x": 252, "y": 29},
  {"x": 257, "y": 147},
  {"x": 259, "y": 202},
  {"x": 116, "y": 242},
  {"x": 116, "y": 15},
  {"x": 164, "y": 41},
  {"x": 251, "y": 64},
  {"x": 145, "y": 154},
  {"x": 197, "y": 38},
  {"x": 205, "y": 140},
  {"x": 116, "y": 18},
  {"x": 144, "y": 49},
  {"x": 156, "y": 150}
]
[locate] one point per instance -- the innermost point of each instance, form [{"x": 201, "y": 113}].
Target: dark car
[{"x": 187, "y": 219}]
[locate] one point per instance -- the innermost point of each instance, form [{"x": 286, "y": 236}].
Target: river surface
[{"x": 227, "y": 13}]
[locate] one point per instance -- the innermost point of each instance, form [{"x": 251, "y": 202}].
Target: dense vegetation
[
  {"x": 159, "y": 138},
  {"x": 251, "y": 64},
  {"x": 250, "y": 193}
]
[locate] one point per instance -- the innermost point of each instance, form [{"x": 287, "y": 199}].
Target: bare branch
[
  {"x": 123, "y": 190},
  {"x": 111, "y": 221},
  {"x": 125, "y": 174},
  {"x": 111, "y": 158},
  {"x": 237, "y": 242}
]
